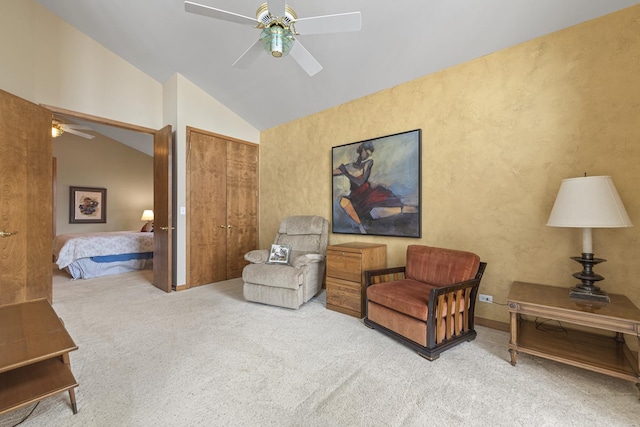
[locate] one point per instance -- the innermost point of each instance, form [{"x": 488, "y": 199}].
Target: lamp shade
[
  {"x": 147, "y": 215},
  {"x": 588, "y": 202}
]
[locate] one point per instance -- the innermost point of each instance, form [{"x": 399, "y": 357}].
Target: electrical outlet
[{"x": 485, "y": 298}]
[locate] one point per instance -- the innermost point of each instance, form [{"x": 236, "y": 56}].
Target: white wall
[
  {"x": 17, "y": 66},
  {"x": 73, "y": 71}
]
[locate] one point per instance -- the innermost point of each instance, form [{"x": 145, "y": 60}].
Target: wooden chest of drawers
[{"x": 346, "y": 264}]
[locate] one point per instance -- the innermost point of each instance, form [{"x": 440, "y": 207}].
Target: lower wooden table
[
  {"x": 34, "y": 355},
  {"x": 596, "y": 352}
]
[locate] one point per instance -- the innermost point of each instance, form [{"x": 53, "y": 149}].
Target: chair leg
[
  {"x": 429, "y": 358},
  {"x": 366, "y": 323}
]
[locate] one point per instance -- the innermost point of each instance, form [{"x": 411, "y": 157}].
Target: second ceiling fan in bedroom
[
  {"x": 59, "y": 126},
  {"x": 279, "y": 25}
]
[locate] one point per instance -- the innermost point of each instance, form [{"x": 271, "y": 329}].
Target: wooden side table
[
  {"x": 346, "y": 265},
  {"x": 596, "y": 352},
  {"x": 34, "y": 355}
]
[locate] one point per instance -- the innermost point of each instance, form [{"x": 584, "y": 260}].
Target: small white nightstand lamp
[
  {"x": 588, "y": 202},
  {"x": 147, "y": 215}
]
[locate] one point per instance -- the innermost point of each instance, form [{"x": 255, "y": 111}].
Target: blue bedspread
[{"x": 122, "y": 257}]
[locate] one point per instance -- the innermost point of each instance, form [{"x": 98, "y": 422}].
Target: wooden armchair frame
[{"x": 458, "y": 320}]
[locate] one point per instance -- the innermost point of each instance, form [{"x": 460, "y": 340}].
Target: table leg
[
  {"x": 72, "y": 392},
  {"x": 72, "y": 397},
  {"x": 513, "y": 343}
]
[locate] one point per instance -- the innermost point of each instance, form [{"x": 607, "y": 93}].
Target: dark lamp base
[
  {"x": 587, "y": 290},
  {"x": 592, "y": 295}
]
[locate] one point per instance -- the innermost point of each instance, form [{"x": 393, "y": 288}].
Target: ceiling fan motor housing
[{"x": 263, "y": 15}]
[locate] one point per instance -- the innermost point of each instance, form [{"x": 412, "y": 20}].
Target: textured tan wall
[
  {"x": 127, "y": 174},
  {"x": 498, "y": 135}
]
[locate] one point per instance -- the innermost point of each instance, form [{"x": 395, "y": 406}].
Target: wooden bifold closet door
[{"x": 222, "y": 206}]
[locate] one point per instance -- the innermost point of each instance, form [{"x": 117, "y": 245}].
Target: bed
[{"x": 89, "y": 255}]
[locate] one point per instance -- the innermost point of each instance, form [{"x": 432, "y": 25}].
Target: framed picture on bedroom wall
[
  {"x": 376, "y": 186},
  {"x": 87, "y": 205}
]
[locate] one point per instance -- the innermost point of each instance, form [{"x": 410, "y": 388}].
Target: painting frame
[
  {"x": 87, "y": 205},
  {"x": 279, "y": 254},
  {"x": 377, "y": 186}
]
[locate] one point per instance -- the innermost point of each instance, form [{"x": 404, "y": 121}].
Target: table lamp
[
  {"x": 147, "y": 215},
  {"x": 588, "y": 202}
]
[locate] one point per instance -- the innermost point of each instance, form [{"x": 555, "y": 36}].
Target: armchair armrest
[
  {"x": 383, "y": 275},
  {"x": 303, "y": 259},
  {"x": 258, "y": 256},
  {"x": 453, "y": 305}
]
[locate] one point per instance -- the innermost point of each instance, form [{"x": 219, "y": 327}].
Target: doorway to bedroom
[{"x": 128, "y": 166}]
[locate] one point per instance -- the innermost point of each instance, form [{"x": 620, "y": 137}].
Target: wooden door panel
[
  {"x": 207, "y": 222},
  {"x": 222, "y": 224},
  {"x": 162, "y": 206},
  {"x": 242, "y": 204},
  {"x": 13, "y": 170},
  {"x": 26, "y": 200}
]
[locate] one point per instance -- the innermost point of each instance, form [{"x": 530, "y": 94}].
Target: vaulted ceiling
[{"x": 399, "y": 41}]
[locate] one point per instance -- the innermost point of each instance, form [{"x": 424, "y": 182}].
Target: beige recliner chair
[{"x": 289, "y": 285}]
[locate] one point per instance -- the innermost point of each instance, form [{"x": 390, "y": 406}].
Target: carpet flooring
[{"x": 206, "y": 357}]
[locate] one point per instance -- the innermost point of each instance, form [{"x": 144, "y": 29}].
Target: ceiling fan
[
  {"x": 279, "y": 25},
  {"x": 58, "y": 127}
]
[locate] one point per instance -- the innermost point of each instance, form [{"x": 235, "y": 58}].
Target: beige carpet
[{"x": 205, "y": 357}]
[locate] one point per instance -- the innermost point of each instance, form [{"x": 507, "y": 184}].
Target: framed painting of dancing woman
[{"x": 376, "y": 186}]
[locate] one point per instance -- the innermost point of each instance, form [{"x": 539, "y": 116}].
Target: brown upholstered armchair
[{"x": 428, "y": 304}]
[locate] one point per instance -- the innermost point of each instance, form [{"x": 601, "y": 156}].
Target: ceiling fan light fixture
[
  {"x": 56, "y": 130},
  {"x": 277, "y": 41}
]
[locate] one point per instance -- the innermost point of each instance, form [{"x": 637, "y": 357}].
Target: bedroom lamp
[
  {"x": 588, "y": 202},
  {"x": 147, "y": 215}
]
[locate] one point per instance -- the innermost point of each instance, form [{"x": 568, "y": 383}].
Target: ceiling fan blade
[
  {"x": 70, "y": 126},
  {"x": 76, "y": 132},
  {"x": 276, "y": 8},
  {"x": 338, "y": 23},
  {"x": 249, "y": 56},
  {"x": 305, "y": 59},
  {"x": 212, "y": 12}
]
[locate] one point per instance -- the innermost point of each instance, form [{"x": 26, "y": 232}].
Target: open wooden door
[
  {"x": 25, "y": 200},
  {"x": 162, "y": 207}
]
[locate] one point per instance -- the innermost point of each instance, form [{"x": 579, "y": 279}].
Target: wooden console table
[
  {"x": 596, "y": 352},
  {"x": 34, "y": 355}
]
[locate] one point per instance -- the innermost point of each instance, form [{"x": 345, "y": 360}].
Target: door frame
[
  {"x": 99, "y": 120},
  {"x": 164, "y": 284}
]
